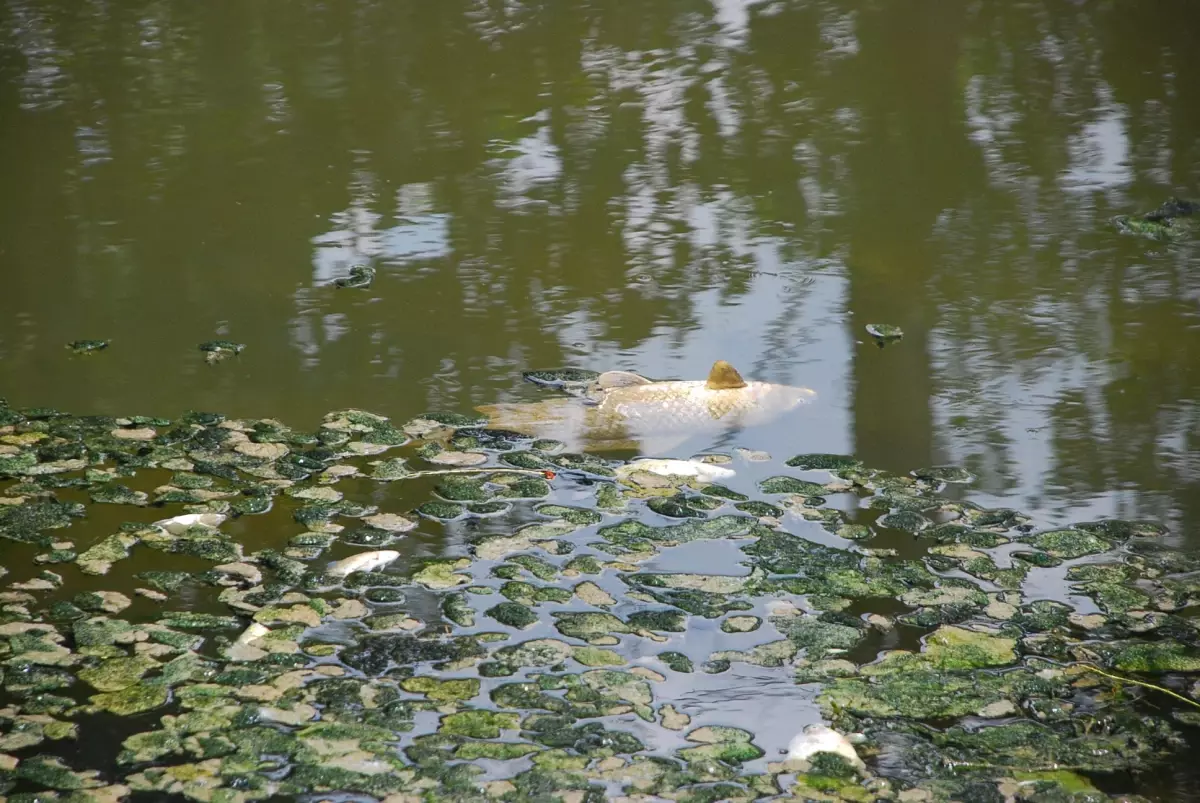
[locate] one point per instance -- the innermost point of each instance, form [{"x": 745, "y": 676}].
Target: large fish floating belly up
[{"x": 624, "y": 410}]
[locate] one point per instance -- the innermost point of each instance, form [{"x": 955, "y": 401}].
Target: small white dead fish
[
  {"x": 362, "y": 562},
  {"x": 706, "y": 472},
  {"x": 823, "y": 739},
  {"x": 177, "y": 525},
  {"x": 254, "y": 631}
]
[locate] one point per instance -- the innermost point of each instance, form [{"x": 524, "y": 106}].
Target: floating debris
[
  {"x": 1173, "y": 208},
  {"x": 884, "y": 333},
  {"x": 217, "y": 350},
  {"x": 950, "y": 474},
  {"x": 835, "y": 463},
  {"x": 252, "y": 633},
  {"x": 88, "y": 346},
  {"x": 359, "y": 276},
  {"x": 1166, "y": 223},
  {"x": 390, "y": 522},
  {"x": 819, "y": 738},
  {"x": 563, "y": 378}
]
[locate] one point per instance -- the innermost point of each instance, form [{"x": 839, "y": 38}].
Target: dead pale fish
[
  {"x": 624, "y": 409},
  {"x": 823, "y": 739},
  {"x": 678, "y": 468},
  {"x": 253, "y": 632},
  {"x": 177, "y": 525},
  {"x": 362, "y": 562}
]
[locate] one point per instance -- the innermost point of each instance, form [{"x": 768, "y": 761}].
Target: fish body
[
  {"x": 177, "y": 525},
  {"x": 705, "y": 472},
  {"x": 362, "y": 562},
  {"x": 623, "y": 408},
  {"x": 823, "y": 739},
  {"x": 252, "y": 633}
]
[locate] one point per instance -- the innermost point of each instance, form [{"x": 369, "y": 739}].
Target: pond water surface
[{"x": 620, "y": 185}]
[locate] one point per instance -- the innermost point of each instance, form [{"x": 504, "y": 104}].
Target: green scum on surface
[{"x": 540, "y": 657}]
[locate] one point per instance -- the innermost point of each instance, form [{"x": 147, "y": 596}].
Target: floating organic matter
[{"x": 268, "y": 672}]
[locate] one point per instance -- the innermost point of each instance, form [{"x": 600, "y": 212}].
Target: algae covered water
[
  {"x": 247, "y": 251},
  {"x": 549, "y": 625}
]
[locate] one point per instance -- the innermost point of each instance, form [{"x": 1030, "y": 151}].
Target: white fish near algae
[
  {"x": 705, "y": 472},
  {"x": 822, "y": 739},
  {"x": 624, "y": 409},
  {"x": 362, "y": 562},
  {"x": 252, "y": 633},
  {"x": 177, "y": 525}
]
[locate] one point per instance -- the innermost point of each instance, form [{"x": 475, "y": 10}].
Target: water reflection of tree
[
  {"x": 1092, "y": 329},
  {"x": 287, "y": 114}
]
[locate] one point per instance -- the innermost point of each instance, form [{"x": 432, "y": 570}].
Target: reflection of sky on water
[
  {"x": 1005, "y": 400},
  {"x": 43, "y": 83},
  {"x": 528, "y": 163},
  {"x": 737, "y": 297},
  {"x": 732, "y": 16},
  {"x": 1100, "y": 151},
  {"x": 358, "y": 237},
  {"x": 1011, "y": 464}
]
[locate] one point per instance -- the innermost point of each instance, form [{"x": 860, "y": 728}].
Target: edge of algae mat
[{"x": 318, "y": 665}]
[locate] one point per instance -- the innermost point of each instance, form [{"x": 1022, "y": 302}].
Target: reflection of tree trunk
[{"x": 915, "y": 148}]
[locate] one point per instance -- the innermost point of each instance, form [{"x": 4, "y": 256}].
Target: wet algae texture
[{"x": 543, "y": 659}]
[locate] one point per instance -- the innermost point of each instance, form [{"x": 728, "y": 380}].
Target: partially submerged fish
[
  {"x": 362, "y": 562},
  {"x": 820, "y": 738},
  {"x": 622, "y": 409},
  {"x": 678, "y": 468},
  {"x": 177, "y": 525},
  {"x": 253, "y": 632}
]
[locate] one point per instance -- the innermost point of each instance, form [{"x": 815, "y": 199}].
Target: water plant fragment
[
  {"x": 884, "y": 333},
  {"x": 88, "y": 346},
  {"x": 359, "y": 276}
]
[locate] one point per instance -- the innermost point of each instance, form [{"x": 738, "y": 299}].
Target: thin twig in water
[{"x": 1142, "y": 683}]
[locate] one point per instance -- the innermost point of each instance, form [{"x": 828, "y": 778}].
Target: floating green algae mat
[{"x": 541, "y": 656}]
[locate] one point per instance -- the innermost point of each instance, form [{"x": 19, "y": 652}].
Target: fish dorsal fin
[
  {"x": 724, "y": 376},
  {"x": 620, "y": 379}
]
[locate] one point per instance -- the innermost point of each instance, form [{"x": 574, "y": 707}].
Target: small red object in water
[{"x": 549, "y": 474}]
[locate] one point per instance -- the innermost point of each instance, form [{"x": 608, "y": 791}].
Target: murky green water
[{"x": 616, "y": 185}]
